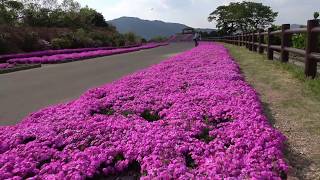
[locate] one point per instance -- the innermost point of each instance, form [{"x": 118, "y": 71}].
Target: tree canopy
[
  {"x": 49, "y": 13},
  {"x": 33, "y": 25},
  {"x": 242, "y": 17},
  {"x": 315, "y": 15}
]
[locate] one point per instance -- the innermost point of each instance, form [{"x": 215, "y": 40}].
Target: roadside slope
[{"x": 291, "y": 106}]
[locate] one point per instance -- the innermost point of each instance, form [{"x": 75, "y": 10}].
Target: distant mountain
[
  {"x": 295, "y": 26},
  {"x": 205, "y": 30},
  {"x": 146, "y": 28}
]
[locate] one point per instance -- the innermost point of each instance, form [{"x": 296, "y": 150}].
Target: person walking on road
[{"x": 196, "y": 38}]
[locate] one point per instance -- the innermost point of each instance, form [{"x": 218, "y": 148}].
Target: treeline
[
  {"x": 247, "y": 16},
  {"x": 49, "y": 13},
  {"x": 30, "y": 25}
]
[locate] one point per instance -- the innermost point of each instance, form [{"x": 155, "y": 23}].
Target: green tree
[
  {"x": 242, "y": 17},
  {"x": 316, "y": 15},
  {"x": 158, "y": 39},
  {"x": 70, "y": 6},
  {"x": 131, "y": 38},
  {"x": 10, "y": 11},
  {"x": 90, "y": 17},
  {"x": 99, "y": 21}
]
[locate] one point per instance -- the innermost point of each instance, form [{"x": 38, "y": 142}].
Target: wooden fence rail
[{"x": 254, "y": 41}]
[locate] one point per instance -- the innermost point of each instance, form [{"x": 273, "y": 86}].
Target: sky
[{"x": 194, "y": 13}]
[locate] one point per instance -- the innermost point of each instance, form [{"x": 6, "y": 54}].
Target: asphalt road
[{"x": 27, "y": 91}]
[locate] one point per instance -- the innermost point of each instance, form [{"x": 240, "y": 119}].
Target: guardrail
[{"x": 254, "y": 41}]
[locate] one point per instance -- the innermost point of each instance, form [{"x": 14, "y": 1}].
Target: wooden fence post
[
  {"x": 242, "y": 39},
  {"x": 270, "y": 51},
  {"x": 238, "y": 40},
  {"x": 261, "y": 40},
  {"x": 246, "y": 36},
  {"x": 254, "y": 40},
  {"x": 247, "y": 41},
  {"x": 285, "y": 42},
  {"x": 250, "y": 42},
  {"x": 311, "y": 46}
]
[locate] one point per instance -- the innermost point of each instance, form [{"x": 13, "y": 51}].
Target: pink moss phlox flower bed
[
  {"x": 59, "y": 58},
  {"x": 54, "y": 52},
  {"x": 6, "y": 66},
  {"x": 192, "y": 116}
]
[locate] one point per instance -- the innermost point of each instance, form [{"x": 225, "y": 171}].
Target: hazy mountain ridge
[{"x": 148, "y": 29}]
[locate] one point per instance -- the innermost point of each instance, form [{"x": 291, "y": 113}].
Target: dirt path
[
  {"x": 27, "y": 91},
  {"x": 291, "y": 108}
]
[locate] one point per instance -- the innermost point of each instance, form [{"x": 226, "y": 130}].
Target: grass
[
  {"x": 312, "y": 85},
  {"x": 292, "y": 103}
]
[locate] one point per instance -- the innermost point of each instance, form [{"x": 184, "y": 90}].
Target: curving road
[{"x": 27, "y": 91}]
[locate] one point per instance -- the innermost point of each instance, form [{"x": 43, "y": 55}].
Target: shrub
[
  {"x": 118, "y": 40},
  {"x": 143, "y": 40},
  {"x": 30, "y": 42},
  {"x": 158, "y": 39},
  {"x": 81, "y": 39},
  {"x": 276, "y": 38},
  {"x": 131, "y": 38},
  {"x": 44, "y": 45},
  {"x": 103, "y": 39},
  {"x": 4, "y": 46},
  {"x": 315, "y": 15},
  {"x": 299, "y": 41},
  {"x": 61, "y": 43}
]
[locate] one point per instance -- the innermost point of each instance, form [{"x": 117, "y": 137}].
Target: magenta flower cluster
[
  {"x": 192, "y": 116},
  {"x": 60, "y": 58},
  {"x": 54, "y": 52},
  {"x": 6, "y": 66}
]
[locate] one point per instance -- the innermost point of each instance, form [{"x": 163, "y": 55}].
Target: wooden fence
[{"x": 254, "y": 41}]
